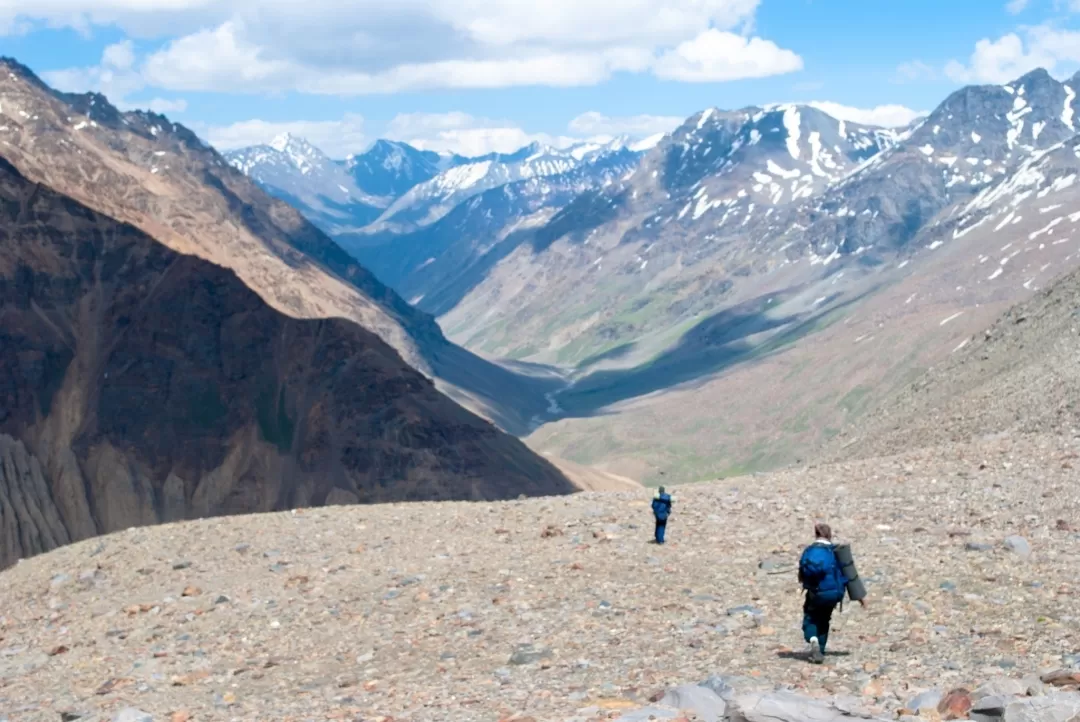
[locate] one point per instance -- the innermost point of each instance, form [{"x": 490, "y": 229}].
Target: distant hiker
[
  {"x": 661, "y": 509},
  {"x": 823, "y": 579}
]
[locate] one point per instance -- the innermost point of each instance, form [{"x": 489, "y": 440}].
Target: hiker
[
  {"x": 823, "y": 579},
  {"x": 661, "y": 509}
]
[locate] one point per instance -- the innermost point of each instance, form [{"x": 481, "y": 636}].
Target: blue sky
[{"x": 477, "y": 75}]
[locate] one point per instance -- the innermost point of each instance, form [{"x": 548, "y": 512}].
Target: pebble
[{"x": 1019, "y": 546}]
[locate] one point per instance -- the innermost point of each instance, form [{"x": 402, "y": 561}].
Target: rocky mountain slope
[
  {"x": 558, "y": 609},
  {"x": 892, "y": 251},
  {"x": 138, "y": 386},
  {"x": 429, "y": 201},
  {"x": 142, "y": 169},
  {"x": 325, "y": 191},
  {"x": 1019, "y": 375},
  {"x": 431, "y": 265},
  {"x": 339, "y": 196},
  {"x": 832, "y": 369},
  {"x": 737, "y": 205}
]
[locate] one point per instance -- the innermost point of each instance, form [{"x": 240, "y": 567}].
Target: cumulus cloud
[
  {"x": 455, "y": 132},
  {"x": 885, "y": 116},
  {"x": 1012, "y": 55},
  {"x": 336, "y": 138},
  {"x": 116, "y": 78},
  {"x": 593, "y": 123},
  {"x": 369, "y": 46},
  {"x": 466, "y": 134},
  {"x": 715, "y": 56},
  {"x": 1016, "y": 6}
]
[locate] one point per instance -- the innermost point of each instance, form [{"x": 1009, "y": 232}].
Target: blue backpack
[
  {"x": 661, "y": 506},
  {"x": 821, "y": 574}
]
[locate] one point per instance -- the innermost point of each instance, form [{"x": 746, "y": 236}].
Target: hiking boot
[{"x": 816, "y": 655}]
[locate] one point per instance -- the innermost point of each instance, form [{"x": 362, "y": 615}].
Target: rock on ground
[{"x": 414, "y": 611}]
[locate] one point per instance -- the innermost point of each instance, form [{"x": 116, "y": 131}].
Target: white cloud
[
  {"x": 593, "y": 22},
  {"x": 885, "y": 116},
  {"x": 369, "y": 46},
  {"x": 715, "y": 56},
  {"x": 465, "y": 134},
  {"x": 137, "y": 17},
  {"x": 336, "y": 138},
  {"x": 120, "y": 56},
  {"x": 116, "y": 78},
  {"x": 594, "y": 123},
  {"x": 216, "y": 59},
  {"x": 1016, "y": 6},
  {"x": 1010, "y": 56},
  {"x": 456, "y": 132}
]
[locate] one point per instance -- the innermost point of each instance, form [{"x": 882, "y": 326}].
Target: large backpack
[
  {"x": 661, "y": 506},
  {"x": 821, "y": 574}
]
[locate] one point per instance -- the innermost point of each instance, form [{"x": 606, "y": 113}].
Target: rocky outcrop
[
  {"x": 29, "y": 518},
  {"x": 139, "y": 385}
]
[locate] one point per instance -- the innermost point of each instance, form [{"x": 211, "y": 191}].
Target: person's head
[
  {"x": 661, "y": 490},
  {"x": 822, "y": 531}
]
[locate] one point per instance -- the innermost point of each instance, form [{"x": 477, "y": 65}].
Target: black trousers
[{"x": 817, "y": 616}]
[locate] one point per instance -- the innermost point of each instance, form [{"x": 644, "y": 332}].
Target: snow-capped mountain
[
  {"x": 757, "y": 203},
  {"x": 973, "y": 141},
  {"x": 426, "y": 263},
  {"x": 296, "y": 171},
  {"x": 389, "y": 168},
  {"x": 427, "y": 202}
]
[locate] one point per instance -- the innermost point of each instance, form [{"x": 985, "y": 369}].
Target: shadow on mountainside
[{"x": 714, "y": 345}]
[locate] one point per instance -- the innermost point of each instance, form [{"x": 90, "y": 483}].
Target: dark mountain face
[
  {"x": 1000, "y": 123},
  {"x": 388, "y": 169},
  {"x": 144, "y": 386}
]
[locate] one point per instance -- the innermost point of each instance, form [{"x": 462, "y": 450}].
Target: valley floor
[{"x": 548, "y": 607}]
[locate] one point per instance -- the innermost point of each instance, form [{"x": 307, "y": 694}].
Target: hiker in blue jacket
[
  {"x": 661, "y": 509},
  {"x": 825, "y": 584}
]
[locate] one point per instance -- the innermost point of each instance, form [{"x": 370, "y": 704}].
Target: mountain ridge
[
  {"x": 144, "y": 386},
  {"x": 158, "y": 175}
]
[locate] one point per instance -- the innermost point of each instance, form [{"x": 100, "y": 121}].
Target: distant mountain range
[
  {"x": 395, "y": 187},
  {"x": 742, "y": 236}
]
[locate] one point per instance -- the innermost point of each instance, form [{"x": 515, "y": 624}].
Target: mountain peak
[
  {"x": 15, "y": 68},
  {"x": 285, "y": 140},
  {"x": 1038, "y": 76},
  {"x": 382, "y": 145}
]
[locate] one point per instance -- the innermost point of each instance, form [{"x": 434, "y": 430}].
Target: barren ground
[{"x": 418, "y": 611}]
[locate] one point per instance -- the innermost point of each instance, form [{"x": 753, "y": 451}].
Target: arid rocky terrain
[
  {"x": 1019, "y": 374},
  {"x": 176, "y": 344},
  {"x": 559, "y": 608}
]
